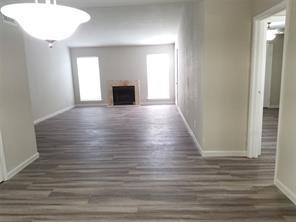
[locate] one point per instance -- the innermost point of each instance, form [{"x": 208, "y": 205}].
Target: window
[
  {"x": 158, "y": 71},
  {"x": 89, "y": 79}
]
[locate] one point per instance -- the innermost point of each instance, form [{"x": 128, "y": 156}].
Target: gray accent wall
[{"x": 189, "y": 47}]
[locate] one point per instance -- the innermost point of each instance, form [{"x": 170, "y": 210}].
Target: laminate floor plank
[{"x": 140, "y": 164}]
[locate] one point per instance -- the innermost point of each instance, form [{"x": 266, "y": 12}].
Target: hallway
[
  {"x": 269, "y": 132},
  {"x": 137, "y": 164}
]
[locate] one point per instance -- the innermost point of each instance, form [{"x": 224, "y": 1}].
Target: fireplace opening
[{"x": 124, "y": 95}]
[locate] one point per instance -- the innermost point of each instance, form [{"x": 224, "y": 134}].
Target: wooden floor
[
  {"x": 139, "y": 164},
  {"x": 269, "y": 134}
]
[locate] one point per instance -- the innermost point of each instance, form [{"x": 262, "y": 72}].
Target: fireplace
[
  {"x": 124, "y": 95},
  {"x": 123, "y": 92}
]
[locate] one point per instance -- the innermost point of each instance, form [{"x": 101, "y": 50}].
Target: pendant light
[
  {"x": 271, "y": 33},
  {"x": 46, "y": 21}
]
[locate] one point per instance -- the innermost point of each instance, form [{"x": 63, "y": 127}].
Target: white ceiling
[
  {"x": 125, "y": 22},
  {"x": 96, "y": 3},
  {"x": 278, "y": 20},
  {"x": 129, "y": 25}
]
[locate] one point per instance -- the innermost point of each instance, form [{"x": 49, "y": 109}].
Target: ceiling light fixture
[
  {"x": 46, "y": 21},
  {"x": 271, "y": 33}
]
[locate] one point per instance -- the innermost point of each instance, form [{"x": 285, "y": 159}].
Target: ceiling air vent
[{"x": 8, "y": 20}]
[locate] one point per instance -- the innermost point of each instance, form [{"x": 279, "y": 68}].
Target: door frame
[
  {"x": 258, "y": 68},
  {"x": 3, "y": 170}
]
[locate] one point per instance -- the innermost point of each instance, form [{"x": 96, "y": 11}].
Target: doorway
[
  {"x": 264, "y": 102},
  {"x": 273, "y": 77}
]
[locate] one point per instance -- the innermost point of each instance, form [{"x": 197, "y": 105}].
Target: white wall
[
  {"x": 277, "y": 64},
  {"x": 50, "y": 77},
  {"x": 286, "y": 162},
  {"x": 286, "y": 157},
  {"x": 227, "y": 70},
  {"x": 273, "y": 75},
  {"x": 16, "y": 121},
  {"x": 268, "y": 74},
  {"x": 123, "y": 63}
]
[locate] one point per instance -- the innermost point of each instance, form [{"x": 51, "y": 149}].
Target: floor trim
[
  {"x": 210, "y": 153},
  {"x": 22, "y": 166},
  {"x": 53, "y": 115},
  {"x": 155, "y": 103},
  {"x": 273, "y": 107},
  {"x": 285, "y": 190},
  {"x": 198, "y": 146},
  {"x": 225, "y": 153},
  {"x": 81, "y": 105}
]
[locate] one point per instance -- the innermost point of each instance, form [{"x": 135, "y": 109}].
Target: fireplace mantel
[{"x": 113, "y": 83}]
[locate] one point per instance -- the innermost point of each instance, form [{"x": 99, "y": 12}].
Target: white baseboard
[
  {"x": 53, "y": 115},
  {"x": 22, "y": 166},
  {"x": 142, "y": 104},
  {"x": 285, "y": 190},
  {"x": 155, "y": 103},
  {"x": 198, "y": 146},
  {"x": 210, "y": 153},
  {"x": 273, "y": 107},
  {"x": 224, "y": 153},
  {"x": 91, "y": 105}
]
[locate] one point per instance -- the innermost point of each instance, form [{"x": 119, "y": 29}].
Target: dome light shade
[
  {"x": 271, "y": 35},
  {"x": 46, "y": 21}
]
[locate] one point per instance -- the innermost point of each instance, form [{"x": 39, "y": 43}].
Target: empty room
[{"x": 147, "y": 110}]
